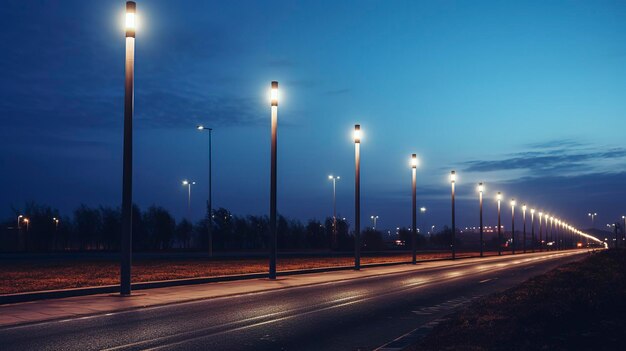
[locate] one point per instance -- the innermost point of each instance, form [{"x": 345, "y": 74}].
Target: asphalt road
[{"x": 358, "y": 314}]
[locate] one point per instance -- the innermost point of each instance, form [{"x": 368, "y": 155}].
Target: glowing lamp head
[
  {"x": 414, "y": 161},
  {"x": 499, "y": 196},
  {"x": 274, "y": 93},
  {"x": 481, "y": 187},
  {"x": 200, "y": 127},
  {"x": 185, "y": 182},
  {"x": 524, "y": 207},
  {"x": 357, "y": 133},
  {"x": 532, "y": 211},
  {"x": 131, "y": 19},
  {"x": 330, "y": 177},
  {"x": 512, "y": 202},
  {"x": 422, "y": 209},
  {"x": 452, "y": 176}
]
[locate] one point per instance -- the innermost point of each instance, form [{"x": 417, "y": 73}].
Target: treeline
[{"x": 98, "y": 228}]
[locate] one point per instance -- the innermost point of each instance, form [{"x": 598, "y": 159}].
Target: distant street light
[
  {"x": 551, "y": 230},
  {"x": 127, "y": 172},
  {"x": 334, "y": 179},
  {"x": 188, "y": 184},
  {"x": 414, "y": 208},
  {"x": 273, "y": 171},
  {"x": 452, "y": 183},
  {"x": 18, "y": 221},
  {"x": 210, "y": 200},
  {"x": 27, "y": 222},
  {"x": 481, "y": 188},
  {"x": 423, "y": 217},
  {"x": 357, "y": 197},
  {"x": 374, "y": 219},
  {"x": 532, "y": 229},
  {"x": 513, "y": 225},
  {"x": 499, "y": 198},
  {"x": 540, "y": 237},
  {"x": 524, "y": 230}
]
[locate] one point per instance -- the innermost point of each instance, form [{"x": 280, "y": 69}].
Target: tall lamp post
[
  {"x": 210, "y": 200},
  {"x": 127, "y": 172},
  {"x": 551, "y": 230},
  {"x": 414, "y": 208},
  {"x": 540, "y": 237},
  {"x": 273, "y": 175},
  {"x": 499, "y": 198},
  {"x": 357, "y": 197},
  {"x": 593, "y": 217},
  {"x": 334, "y": 179},
  {"x": 524, "y": 231},
  {"x": 481, "y": 188},
  {"x": 513, "y": 225},
  {"x": 532, "y": 230},
  {"x": 452, "y": 183},
  {"x": 374, "y": 220},
  {"x": 188, "y": 184}
]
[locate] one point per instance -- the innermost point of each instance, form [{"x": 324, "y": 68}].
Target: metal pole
[
  {"x": 513, "y": 228},
  {"x": 540, "y": 237},
  {"x": 210, "y": 202},
  {"x": 499, "y": 231},
  {"x": 453, "y": 174},
  {"x": 414, "y": 213},
  {"x": 189, "y": 199},
  {"x": 334, "y": 211},
  {"x": 127, "y": 173},
  {"x": 482, "y": 242},
  {"x": 273, "y": 168},
  {"x": 524, "y": 219},
  {"x": 357, "y": 200},
  {"x": 532, "y": 230}
]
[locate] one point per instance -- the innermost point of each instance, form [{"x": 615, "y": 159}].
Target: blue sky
[{"x": 527, "y": 96}]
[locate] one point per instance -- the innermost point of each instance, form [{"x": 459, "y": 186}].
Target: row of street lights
[{"x": 126, "y": 248}]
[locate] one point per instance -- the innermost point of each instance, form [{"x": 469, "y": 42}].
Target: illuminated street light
[
  {"x": 273, "y": 177},
  {"x": 540, "y": 237},
  {"x": 188, "y": 184},
  {"x": 551, "y": 230},
  {"x": 127, "y": 172},
  {"x": 513, "y": 225},
  {"x": 334, "y": 179},
  {"x": 414, "y": 208},
  {"x": 481, "y": 188},
  {"x": 524, "y": 230},
  {"x": 499, "y": 198},
  {"x": 452, "y": 182},
  {"x": 357, "y": 197},
  {"x": 532, "y": 229},
  {"x": 374, "y": 220},
  {"x": 210, "y": 200}
]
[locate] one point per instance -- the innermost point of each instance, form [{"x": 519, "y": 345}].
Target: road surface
[{"x": 357, "y": 314}]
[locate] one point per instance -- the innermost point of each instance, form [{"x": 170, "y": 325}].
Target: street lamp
[
  {"x": 18, "y": 221},
  {"x": 452, "y": 182},
  {"x": 273, "y": 172},
  {"x": 532, "y": 229},
  {"x": 127, "y": 172},
  {"x": 210, "y": 200},
  {"x": 423, "y": 215},
  {"x": 551, "y": 230},
  {"x": 334, "y": 179},
  {"x": 481, "y": 188},
  {"x": 357, "y": 197},
  {"x": 374, "y": 219},
  {"x": 540, "y": 237},
  {"x": 414, "y": 208},
  {"x": 524, "y": 219},
  {"x": 188, "y": 184},
  {"x": 513, "y": 225},
  {"x": 499, "y": 198}
]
